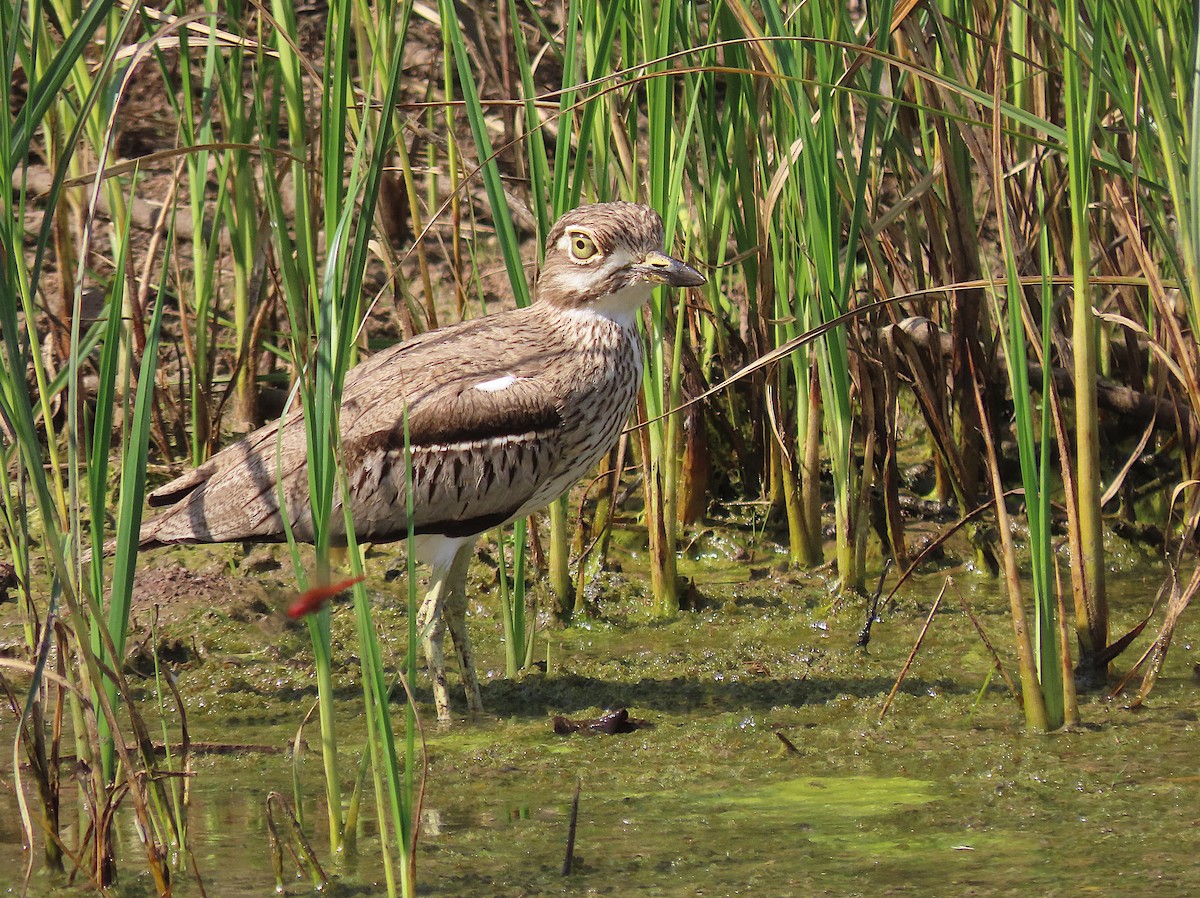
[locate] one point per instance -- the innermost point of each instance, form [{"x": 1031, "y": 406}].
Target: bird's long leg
[
  {"x": 432, "y": 627},
  {"x": 455, "y": 612},
  {"x": 445, "y": 604}
]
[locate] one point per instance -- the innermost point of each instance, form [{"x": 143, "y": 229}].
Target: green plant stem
[{"x": 1092, "y": 613}]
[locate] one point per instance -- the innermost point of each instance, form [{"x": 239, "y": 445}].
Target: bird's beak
[{"x": 659, "y": 268}]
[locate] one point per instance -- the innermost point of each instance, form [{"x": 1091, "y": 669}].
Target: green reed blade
[
  {"x": 1033, "y": 454},
  {"x": 490, "y": 171},
  {"x": 132, "y": 494},
  {"x": 44, "y": 91}
]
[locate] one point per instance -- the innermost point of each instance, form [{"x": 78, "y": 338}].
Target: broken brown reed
[
  {"x": 1070, "y": 697},
  {"x": 300, "y": 849},
  {"x": 139, "y": 780},
  {"x": 1177, "y": 600},
  {"x": 987, "y": 644},
  {"x": 916, "y": 648}
]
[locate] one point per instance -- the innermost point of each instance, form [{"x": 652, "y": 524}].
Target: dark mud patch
[
  {"x": 174, "y": 592},
  {"x": 187, "y": 613}
]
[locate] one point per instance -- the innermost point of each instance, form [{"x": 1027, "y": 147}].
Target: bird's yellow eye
[{"x": 583, "y": 247}]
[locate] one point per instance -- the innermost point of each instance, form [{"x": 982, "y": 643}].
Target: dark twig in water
[
  {"x": 787, "y": 743},
  {"x": 916, "y": 648},
  {"x": 570, "y": 858},
  {"x": 864, "y": 636}
]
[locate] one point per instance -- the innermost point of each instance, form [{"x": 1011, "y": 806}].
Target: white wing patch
[{"x": 500, "y": 383}]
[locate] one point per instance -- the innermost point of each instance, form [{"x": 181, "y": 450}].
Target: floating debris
[{"x": 607, "y": 724}]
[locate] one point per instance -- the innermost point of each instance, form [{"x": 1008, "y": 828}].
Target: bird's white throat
[{"x": 620, "y": 307}]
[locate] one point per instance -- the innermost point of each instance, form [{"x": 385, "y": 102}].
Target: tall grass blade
[{"x": 1080, "y": 106}]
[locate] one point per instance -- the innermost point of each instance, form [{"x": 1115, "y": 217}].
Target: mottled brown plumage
[{"x": 504, "y": 415}]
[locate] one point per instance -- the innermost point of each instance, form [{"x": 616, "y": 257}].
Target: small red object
[{"x": 313, "y": 599}]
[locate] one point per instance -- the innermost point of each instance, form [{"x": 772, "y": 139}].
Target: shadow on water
[{"x": 537, "y": 695}]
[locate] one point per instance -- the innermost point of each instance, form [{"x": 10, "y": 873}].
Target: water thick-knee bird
[{"x": 504, "y": 414}]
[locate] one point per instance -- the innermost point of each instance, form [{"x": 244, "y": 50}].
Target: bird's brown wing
[
  {"x": 477, "y": 458},
  {"x": 232, "y": 496},
  {"x": 362, "y": 380},
  {"x": 477, "y": 454}
]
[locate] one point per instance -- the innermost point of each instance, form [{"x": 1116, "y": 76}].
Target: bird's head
[{"x": 607, "y": 258}]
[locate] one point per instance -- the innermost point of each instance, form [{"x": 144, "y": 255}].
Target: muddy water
[{"x": 947, "y": 796}]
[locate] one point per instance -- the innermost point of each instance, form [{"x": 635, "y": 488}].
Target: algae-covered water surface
[{"x": 762, "y": 769}]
